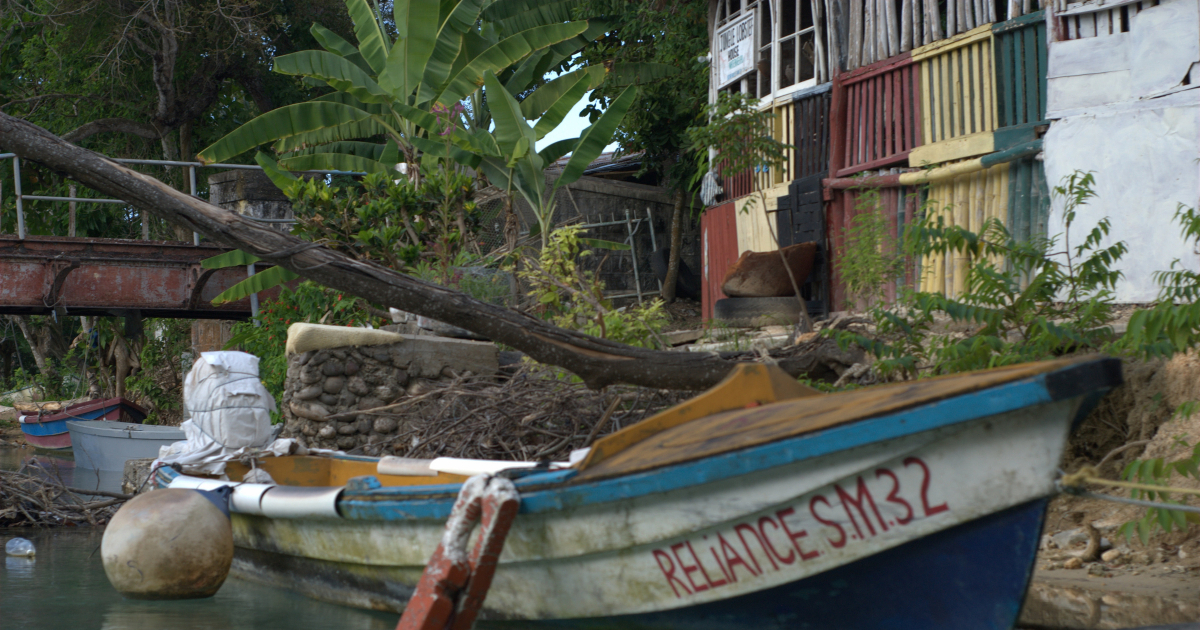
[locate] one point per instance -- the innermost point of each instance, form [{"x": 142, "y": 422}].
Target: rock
[
  {"x": 1097, "y": 569},
  {"x": 358, "y": 386},
  {"x": 329, "y": 400},
  {"x": 308, "y": 393},
  {"x": 385, "y": 425},
  {"x": 419, "y": 387},
  {"x": 347, "y": 441},
  {"x": 363, "y": 425},
  {"x": 338, "y": 353},
  {"x": 308, "y": 376},
  {"x": 327, "y": 432},
  {"x": 1073, "y": 563},
  {"x": 333, "y": 367},
  {"x": 387, "y": 393},
  {"x": 334, "y": 384},
  {"x": 347, "y": 399},
  {"x": 369, "y": 403},
  {"x": 309, "y": 410},
  {"x": 351, "y": 368},
  {"x": 1141, "y": 557},
  {"x": 347, "y": 428},
  {"x": 309, "y": 429},
  {"x": 1112, "y": 556},
  {"x": 304, "y": 357},
  {"x": 133, "y": 481}
]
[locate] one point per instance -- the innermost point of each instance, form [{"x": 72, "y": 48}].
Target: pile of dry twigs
[
  {"x": 534, "y": 414},
  {"x": 36, "y": 497}
]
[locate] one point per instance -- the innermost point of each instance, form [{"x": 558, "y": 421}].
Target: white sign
[{"x": 734, "y": 52}]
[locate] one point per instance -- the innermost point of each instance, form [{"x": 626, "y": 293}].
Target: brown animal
[{"x": 762, "y": 274}]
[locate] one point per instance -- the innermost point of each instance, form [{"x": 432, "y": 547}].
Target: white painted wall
[
  {"x": 1145, "y": 164},
  {"x": 1121, "y": 109}
]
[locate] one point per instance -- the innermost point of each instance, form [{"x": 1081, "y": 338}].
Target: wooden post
[
  {"x": 906, "y": 26},
  {"x": 854, "y": 54}
]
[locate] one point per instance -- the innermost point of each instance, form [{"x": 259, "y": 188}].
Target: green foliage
[
  {"x": 671, "y": 35},
  {"x": 741, "y": 134},
  {"x": 1159, "y": 472},
  {"x": 573, "y": 298},
  {"x": 1023, "y": 301},
  {"x": 1172, "y": 324},
  {"x": 158, "y": 382},
  {"x": 872, "y": 258}
]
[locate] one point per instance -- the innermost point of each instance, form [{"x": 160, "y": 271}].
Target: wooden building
[{"x": 952, "y": 107}]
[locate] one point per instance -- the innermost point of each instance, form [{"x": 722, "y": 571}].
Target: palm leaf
[
  {"x": 268, "y": 279},
  {"x": 336, "y": 71},
  {"x": 416, "y": 36},
  {"x": 551, "y": 153},
  {"x": 596, "y": 137},
  {"x": 503, "y": 54},
  {"x": 511, "y": 126},
  {"x": 235, "y": 258},
  {"x": 332, "y": 41},
  {"x": 366, "y": 128},
  {"x": 333, "y": 162},
  {"x": 372, "y": 43},
  {"x": 288, "y": 121}
]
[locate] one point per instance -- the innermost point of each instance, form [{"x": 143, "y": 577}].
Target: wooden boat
[
  {"x": 49, "y": 432},
  {"x": 759, "y": 504}
]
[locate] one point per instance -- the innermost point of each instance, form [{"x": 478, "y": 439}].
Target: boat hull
[
  {"x": 52, "y": 434},
  {"x": 47, "y": 436},
  {"x": 666, "y": 553},
  {"x": 106, "y": 446}
]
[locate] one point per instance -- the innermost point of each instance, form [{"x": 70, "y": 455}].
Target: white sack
[{"x": 230, "y": 413}]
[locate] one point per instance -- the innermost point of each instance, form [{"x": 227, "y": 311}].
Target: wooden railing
[
  {"x": 966, "y": 201},
  {"x": 1081, "y": 20},
  {"x": 879, "y": 116},
  {"x": 1021, "y": 58},
  {"x": 810, "y": 133},
  {"x": 958, "y": 97}
]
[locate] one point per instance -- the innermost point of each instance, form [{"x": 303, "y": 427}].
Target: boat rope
[
  {"x": 1087, "y": 474},
  {"x": 1073, "y": 484}
]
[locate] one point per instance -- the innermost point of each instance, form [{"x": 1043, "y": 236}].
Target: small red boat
[{"x": 49, "y": 432}]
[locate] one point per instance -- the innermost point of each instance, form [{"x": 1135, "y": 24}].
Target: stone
[
  {"x": 419, "y": 387},
  {"x": 1141, "y": 557},
  {"x": 320, "y": 357},
  {"x": 309, "y": 429},
  {"x": 334, "y": 384},
  {"x": 333, "y": 367},
  {"x": 308, "y": 376},
  {"x": 1112, "y": 555},
  {"x": 304, "y": 357},
  {"x": 137, "y": 471},
  {"x": 309, "y": 392},
  {"x": 384, "y": 425},
  {"x": 329, "y": 399},
  {"x": 369, "y": 403},
  {"x": 327, "y": 432},
  {"x": 351, "y": 368},
  {"x": 358, "y": 386},
  {"x": 347, "y": 399},
  {"x": 379, "y": 353},
  {"x": 1073, "y": 563},
  {"x": 363, "y": 424},
  {"x": 347, "y": 441},
  {"x": 387, "y": 393},
  {"x": 1097, "y": 569},
  {"x": 347, "y": 428},
  {"x": 338, "y": 353},
  {"x": 309, "y": 410}
]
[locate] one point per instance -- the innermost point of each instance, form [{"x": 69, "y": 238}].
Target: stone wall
[{"x": 327, "y": 390}]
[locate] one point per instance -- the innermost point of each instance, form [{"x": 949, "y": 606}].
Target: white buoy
[
  {"x": 168, "y": 544},
  {"x": 20, "y": 548}
]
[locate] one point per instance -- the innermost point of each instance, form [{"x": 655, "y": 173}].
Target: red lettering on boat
[
  {"x": 894, "y": 496},
  {"x": 862, "y": 494},
  {"x": 812, "y": 509},
  {"x": 929, "y": 511},
  {"x": 739, "y": 528},
  {"x": 711, "y": 584},
  {"x": 795, "y": 536},
  {"x": 669, "y": 572},
  {"x": 732, "y": 557},
  {"x": 687, "y": 571},
  {"x": 791, "y": 557},
  {"x": 713, "y": 551}
]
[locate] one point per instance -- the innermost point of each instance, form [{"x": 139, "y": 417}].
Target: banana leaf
[
  {"x": 596, "y": 137},
  {"x": 372, "y": 43},
  {"x": 284, "y": 122},
  {"x": 235, "y": 258},
  {"x": 336, "y": 71},
  {"x": 257, "y": 283},
  {"x": 503, "y": 54}
]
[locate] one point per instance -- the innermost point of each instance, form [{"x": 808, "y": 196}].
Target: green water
[{"x": 65, "y": 587}]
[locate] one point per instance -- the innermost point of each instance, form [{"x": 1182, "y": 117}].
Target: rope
[
  {"x": 1138, "y": 502},
  {"x": 1087, "y": 474}
]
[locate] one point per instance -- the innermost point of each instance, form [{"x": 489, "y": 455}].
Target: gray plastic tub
[{"x": 106, "y": 445}]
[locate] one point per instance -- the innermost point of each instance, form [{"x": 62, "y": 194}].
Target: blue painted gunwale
[{"x": 42, "y": 429}]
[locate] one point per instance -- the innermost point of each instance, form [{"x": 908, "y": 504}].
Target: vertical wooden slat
[
  {"x": 927, "y": 100},
  {"x": 1041, "y": 44},
  {"x": 953, "y": 59},
  {"x": 1032, "y": 80},
  {"x": 987, "y": 74},
  {"x": 906, "y": 26},
  {"x": 898, "y": 110}
]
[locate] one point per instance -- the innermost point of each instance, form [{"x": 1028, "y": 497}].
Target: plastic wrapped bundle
[{"x": 229, "y": 413}]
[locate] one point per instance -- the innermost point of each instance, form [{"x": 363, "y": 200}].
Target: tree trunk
[
  {"x": 599, "y": 362},
  {"x": 39, "y": 355},
  {"x": 668, "y": 290}
]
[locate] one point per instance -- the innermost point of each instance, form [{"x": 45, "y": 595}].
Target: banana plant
[
  {"x": 509, "y": 155},
  {"x": 384, "y": 88}
]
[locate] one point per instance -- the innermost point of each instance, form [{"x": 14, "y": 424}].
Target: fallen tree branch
[{"x": 599, "y": 362}]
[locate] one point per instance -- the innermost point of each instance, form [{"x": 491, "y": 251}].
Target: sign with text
[{"x": 735, "y": 50}]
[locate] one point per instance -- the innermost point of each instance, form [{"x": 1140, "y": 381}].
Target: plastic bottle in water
[{"x": 19, "y": 547}]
